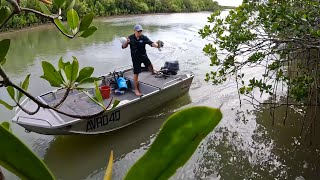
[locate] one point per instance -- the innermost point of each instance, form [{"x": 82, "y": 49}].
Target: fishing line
[{"x": 166, "y": 51}]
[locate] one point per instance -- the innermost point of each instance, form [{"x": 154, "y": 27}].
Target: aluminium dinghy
[{"x": 156, "y": 91}]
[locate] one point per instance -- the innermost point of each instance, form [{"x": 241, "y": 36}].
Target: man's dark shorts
[{"x": 137, "y": 63}]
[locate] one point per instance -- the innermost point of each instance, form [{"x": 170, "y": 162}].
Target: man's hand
[{"x": 125, "y": 42}]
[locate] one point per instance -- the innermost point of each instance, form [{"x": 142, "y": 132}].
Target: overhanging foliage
[{"x": 281, "y": 36}]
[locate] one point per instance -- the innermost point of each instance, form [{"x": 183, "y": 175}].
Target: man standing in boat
[{"x": 137, "y": 43}]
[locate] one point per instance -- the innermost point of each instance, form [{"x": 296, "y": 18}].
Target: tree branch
[
  {"x": 67, "y": 35},
  {"x": 27, "y": 111},
  {"x": 7, "y": 82},
  {"x": 40, "y": 13},
  {"x": 63, "y": 98},
  {"x": 15, "y": 6},
  {"x": 41, "y": 104}
]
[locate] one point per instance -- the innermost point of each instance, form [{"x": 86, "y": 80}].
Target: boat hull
[{"x": 118, "y": 117}]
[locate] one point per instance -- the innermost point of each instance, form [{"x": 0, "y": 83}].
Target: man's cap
[{"x": 138, "y": 27}]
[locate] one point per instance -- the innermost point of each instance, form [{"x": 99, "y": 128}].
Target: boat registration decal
[{"x": 103, "y": 120}]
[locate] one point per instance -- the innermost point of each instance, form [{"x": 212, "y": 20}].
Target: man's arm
[{"x": 158, "y": 44}]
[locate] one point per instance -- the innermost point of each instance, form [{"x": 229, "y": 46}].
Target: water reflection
[
  {"x": 88, "y": 155},
  {"x": 257, "y": 150},
  {"x": 298, "y": 152}
]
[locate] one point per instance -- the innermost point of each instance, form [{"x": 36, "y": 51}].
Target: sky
[{"x": 229, "y": 2}]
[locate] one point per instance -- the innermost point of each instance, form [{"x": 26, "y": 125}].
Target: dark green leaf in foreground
[
  {"x": 4, "y": 14},
  {"x": 4, "y": 47},
  {"x": 2, "y": 61},
  {"x": 19, "y": 159},
  {"x": 6, "y": 125},
  {"x": 86, "y": 21},
  {"x": 88, "y": 32},
  {"x": 179, "y": 137}
]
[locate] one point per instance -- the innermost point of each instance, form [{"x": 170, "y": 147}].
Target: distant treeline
[{"x": 112, "y": 7}]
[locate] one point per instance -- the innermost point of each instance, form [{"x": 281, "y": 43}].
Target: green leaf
[
  {"x": 4, "y": 47},
  {"x": 44, "y": 8},
  {"x": 98, "y": 95},
  {"x": 94, "y": 99},
  {"x": 25, "y": 83},
  {"x": 24, "y": 86},
  {"x": 88, "y": 32},
  {"x": 62, "y": 64},
  {"x": 72, "y": 70},
  {"x": 63, "y": 76},
  {"x": 11, "y": 92},
  {"x": 6, "y": 104},
  {"x": 115, "y": 103},
  {"x": 69, "y": 4},
  {"x": 58, "y": 3},
  {"x": 179, "y": 137},
  {"x": 85, "y": 73},
  {"x": 16, "y": 157},
  {"x": 52, "y": 83},
  {"x": 51, "y": 74},
  {"x": 86, "y": 21},
  {"x": 73, "y": 19},
  {"x": 6, "y": 125},
  {"x": 4, "y": 14},
  {"x": 60, "y": 25},
  {"x": 3, "y": 61},
  {"x": 87, "y": 83},
  {"x": 242, "y": 90}
]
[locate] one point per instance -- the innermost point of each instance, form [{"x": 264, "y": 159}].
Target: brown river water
[{"x": 245, "y": 145}]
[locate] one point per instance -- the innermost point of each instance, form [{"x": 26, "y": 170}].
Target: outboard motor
[{"x": 170, "y": 68}]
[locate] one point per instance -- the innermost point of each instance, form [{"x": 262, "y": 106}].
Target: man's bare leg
[
  {"x": 136, "y": 85},
  {"x": 151, "y": 69}
]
